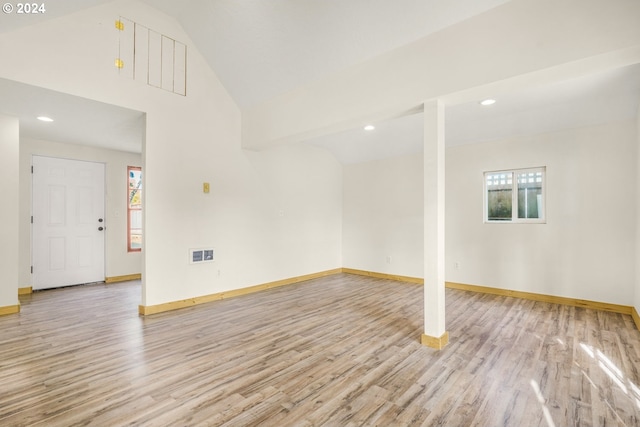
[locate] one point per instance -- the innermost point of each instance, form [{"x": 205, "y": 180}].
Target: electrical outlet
[
  {"x": 388, "y": 259},
  {"x": 456, "y": 265}
]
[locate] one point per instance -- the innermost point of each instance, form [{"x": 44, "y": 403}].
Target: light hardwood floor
[{"x": 337, "y": 351}]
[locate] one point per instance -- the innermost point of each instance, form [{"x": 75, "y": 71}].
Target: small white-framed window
[{"x": 515, "y": 196}]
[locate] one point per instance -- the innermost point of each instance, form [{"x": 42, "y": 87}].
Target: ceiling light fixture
[
  {"x": 488, "y": 102},
  {"x": 45, "y": 119},
  {"x": 369, "y": 127}
]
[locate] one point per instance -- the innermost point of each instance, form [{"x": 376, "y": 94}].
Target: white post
[{"x": 434, "y": 334}]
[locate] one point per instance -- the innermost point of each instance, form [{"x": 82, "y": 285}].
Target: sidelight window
[{"x": 134, "y": 209}]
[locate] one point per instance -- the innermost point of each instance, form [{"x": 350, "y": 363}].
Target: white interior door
[{"x": 68, "y": 222}]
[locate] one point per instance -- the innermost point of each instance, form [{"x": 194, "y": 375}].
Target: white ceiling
[
  {"x": 262, "y": 48},
  {"x": 76, "y": 120},
  {"x": 588, "y": 100}
]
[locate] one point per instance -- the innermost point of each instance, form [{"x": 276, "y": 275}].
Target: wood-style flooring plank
[{"x": 341, "y": 350}]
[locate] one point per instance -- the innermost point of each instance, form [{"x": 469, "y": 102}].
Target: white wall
[
  {"x": 9, "y": 148},
  {"x": 300, "y": 212},
  {"x": 585, "y": 250},
  {"x": 189, "y": 140},
  {"x": 118, "y": 262},
  {"x": 383, "y": 216}
]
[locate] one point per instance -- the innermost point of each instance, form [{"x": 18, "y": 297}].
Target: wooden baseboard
[
  {"x": 10, "y": 309},
  {"x": 408, "y": 279},
  {"x": 435, "y": 342},
  {"x": 25, "y": 291},
  {"x": 125, "y": 278},
  {"x": 616, "y": 308},
  {"x": 636, "y": 317},
  {"x": 146, "y": 310}
]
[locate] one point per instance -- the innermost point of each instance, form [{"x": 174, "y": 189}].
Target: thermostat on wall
[{"x": 197, "y": 256}]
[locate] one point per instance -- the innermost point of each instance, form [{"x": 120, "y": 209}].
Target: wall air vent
[{"x": 197, "y": 256}]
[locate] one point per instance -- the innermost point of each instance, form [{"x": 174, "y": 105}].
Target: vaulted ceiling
[{"x": 262, "y": 48}]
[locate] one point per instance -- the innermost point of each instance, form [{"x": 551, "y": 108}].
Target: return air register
[{"x": 199, "y": 256}]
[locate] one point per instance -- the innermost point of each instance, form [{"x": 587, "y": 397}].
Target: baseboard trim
[
  {"x": 435, "y": 342},
  {"x": 408, "y": 279},
  {"x": 9, "y": 309},
  {"x": 146, "y": 310},
  {"x": 25, "y": 291},
  {"x": 636, "y": 317},
  {"x": 616, "y": 308},
  {"x": 125, "y": 278}
]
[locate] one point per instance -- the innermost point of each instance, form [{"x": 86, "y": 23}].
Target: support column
[{"x": 435, "y": 334}]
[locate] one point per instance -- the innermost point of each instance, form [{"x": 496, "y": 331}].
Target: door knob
[
  {"x": 100, "y": 228},
  {"x": 100, "y": 219}
]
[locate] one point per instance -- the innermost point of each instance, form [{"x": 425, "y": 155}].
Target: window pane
[
  {"x": 530, "y": 195},
  {"x": 136, "y": 219},
  {"x": 134, "y": 208},
  {"x": 499, "y": 196},
  {"x": 136, "y": 239},
  {"x": 135, "y": 188},
  {"x": 135, "y": 230}
]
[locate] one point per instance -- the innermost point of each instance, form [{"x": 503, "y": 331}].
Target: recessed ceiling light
[
  {"x": 45, "y": 119},
  {"x": 488, "y": 102},
  {"x": 369, "y": 127}
]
